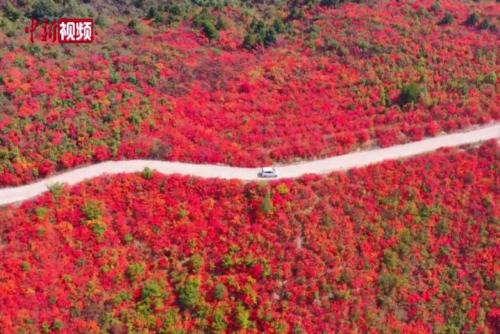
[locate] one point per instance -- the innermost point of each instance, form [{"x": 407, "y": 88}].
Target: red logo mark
[{"x": 63, "y": 30}]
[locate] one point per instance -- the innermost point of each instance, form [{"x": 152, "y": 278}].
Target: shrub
[
  {"x": 138, "y": 3},
  {"x": 132, "y": 24},
  {"x": 279, "y": 26},
  {"x": 56, "y": 190},
  {"x": 490, "y": 78},
  {"x": 137, "y": 27},
  {"x": 387, "y": 283},
  {"x": 153, "y": 81},
  {"x": 114, "y": 76},
  {"x": 44, "y": 9},
  {"x": 57, "y": 325},
  {"x": 296, "y": 13},
  {"x": 152, "y": 289},
  {"x": 269, "y": 37},
  {"x": 134, "y": 271},
  {"x": 436, "y": 6},
  {"x": 220, "y": 291},
  {"x": 11, "y": 12},
  {"x": 410, "y": 94},
  {"x": 196, "y": 262},
  {"x": 221, "y": 24},
  {"x": 46, "y": 167},
  {"x": 25, "y": 266},
  {"x": 330, "y": 3},
  {"x": 250, "y": 41},
  {"x": 34, "y": 49},
  {"x": 170, "y": 318},
  {"x": 485, "y": 24},
  {"x": 182, "y": 213},
  {"x": 174, "y": 10},
  {"x": 447, "y": 19},
  {"x": 204, "y": 20},
  {"x": 209, "y": 29},
  {"x": 218, "y": 321},
  {"x": 41, "y": 212},
  {"x": 147, "y": 173},
  {"x": 101, "y": 20},
  {"x": 472, "y": 19},
  {"x": 92, "y": 210},
  {"x": 98, "y": 228},
  {"x": 282, "y": 189},
  {"x": 267, "y": 203},
  {"x": 155, "y": 14},
  {"x": 189, "y": 294},
  {"x": 390, "y": 259},
  {"x": 260, "y": 34},
  {"x": 132, "y": 79},
  {"x": 242, "y": 317}
]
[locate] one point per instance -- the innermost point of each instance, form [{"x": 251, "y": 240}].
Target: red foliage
[
  {"x": 175, "y": 95},
  {"x": 46, "y": 167},
  {"x": 401, "y": 247}
]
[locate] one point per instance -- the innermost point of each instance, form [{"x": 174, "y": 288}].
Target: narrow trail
[{"x": 323, "y": 166}]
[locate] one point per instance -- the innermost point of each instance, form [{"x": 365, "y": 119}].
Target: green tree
[
  {"x": 220, "y": 291},
  {"x": 196, "y": 262},
  {"x": 147, "y": 173},
  {"x": 242, "y": 317},
  {"x": 410, "y": 94},
  {"x": 134, "y": 271},
  {"x": 101, "y": 20},
  {"x": 269, "y": 37},
  {"x": 57, "y": 325},
  {"x": 44, "y": 9},
  {"x": 485, "y": 24},
  {"x": 99, "y": 228},
  {"x": 209, "y": 29},
  {"x": 250, "y": 41},
  {"x": 267, "y": 204},
  {"x": 447, "y": 19},
  {"x": 221, "y": 24},
  {"x": 390, "y": 259},
  {"x": 56, "y": 190},
  {"x": 260, "y": 34},
  {"x": 218, "y": 321},
  {"x": 472, "y": 19},
  {"x": 155, "y": 14},
  {"x": 92, "y": 210},
  {"x": 279, "y": 26},
  {"x": 114, "y": 75},
  {"x": 152, "y": 289},
  {"x": 490, "y": 78},
  {"x": 138, "y": 3},
  {"x": 388, "y": 282},
  {"x": 137, "y": 27},
  {"x": 436, "y": 6},
  {"x": 189, "y": 294},
  {"x": 330, "y": 3},
  {"x": 11, "y": 12}
]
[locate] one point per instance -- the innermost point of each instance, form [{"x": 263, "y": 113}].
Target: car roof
[{"x": 268, "y": 169}]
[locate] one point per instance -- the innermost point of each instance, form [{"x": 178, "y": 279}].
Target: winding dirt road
[{"x": 323, "y": 166}]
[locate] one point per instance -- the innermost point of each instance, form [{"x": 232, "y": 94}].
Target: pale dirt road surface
[{"x": 323, "y": 166}]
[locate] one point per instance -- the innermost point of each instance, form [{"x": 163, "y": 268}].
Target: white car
[{"x": 268, "y": 172}]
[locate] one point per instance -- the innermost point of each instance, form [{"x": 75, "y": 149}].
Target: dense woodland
[
  {"x": 400, "y": 247},
  {"x": 240, "y": 82}
]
